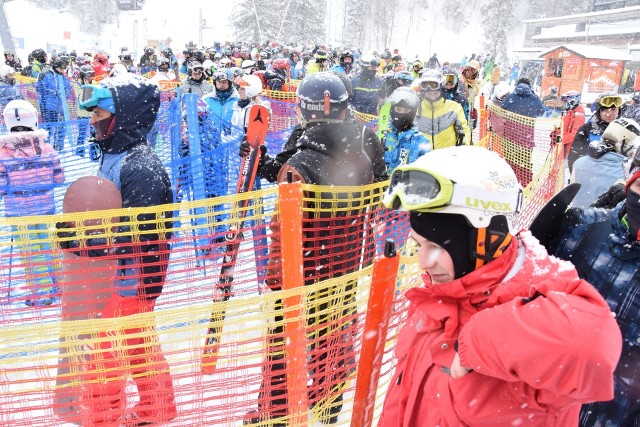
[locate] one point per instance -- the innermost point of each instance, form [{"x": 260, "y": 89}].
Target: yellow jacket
[{"x": 444, "y": 123}]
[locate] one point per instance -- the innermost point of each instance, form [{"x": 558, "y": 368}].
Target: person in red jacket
[
  {"x": 573, "y": 119},
  {"x": 500, "y": 333}
]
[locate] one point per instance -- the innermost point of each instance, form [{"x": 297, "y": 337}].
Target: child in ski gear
[
  {"x": 403, "y": 142},
  {"x": 441, "y": 120},
  {"x": 124, "y": 110},
  {"x": 492, "y": 303},
  {"x": 603, "y": 244},
  {"x": 29, "y": 171}
]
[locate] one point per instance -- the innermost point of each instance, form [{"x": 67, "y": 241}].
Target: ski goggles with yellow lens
[
  {"x": 450, "y": 78},
  {"x": 416, "y": 189},
  {"x": 92, "y": 96},
  {"x": 611, "y": 101}
]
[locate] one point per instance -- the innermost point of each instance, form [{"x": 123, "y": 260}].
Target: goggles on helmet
[
  {"x": 220, "y": 76},
  {"x": 417, "y": 189},
  {"x": 92, "y": 95},
  {"x": 413, "y": 188},
  {"x": 198, "y": 70},
  {"x": 450, "y": 78},
  {"x": 429, "y": 85},
  {"x": 611, "y": 101}
]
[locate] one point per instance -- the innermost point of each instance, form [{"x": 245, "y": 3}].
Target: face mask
[
  {"x": 104, "y": 128},
  {"x": 633, "y": 212},
  {"x": 401, "y": 123}
]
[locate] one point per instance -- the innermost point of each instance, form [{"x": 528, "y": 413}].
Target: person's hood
[
  {"x": 136, "y": 102},
  {"x": 523, "y": 89}
]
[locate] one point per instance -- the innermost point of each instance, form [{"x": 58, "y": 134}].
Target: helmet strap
[{"x": 490, "y": 242}]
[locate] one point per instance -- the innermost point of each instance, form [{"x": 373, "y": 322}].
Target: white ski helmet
[
  {"x": 624, "y": 134},
  {"x": 248, "y": 64},
  {"x": 20, "y": 113},
  {"x": 254, "y": 85},
  {"x": 471, "y": 181}
]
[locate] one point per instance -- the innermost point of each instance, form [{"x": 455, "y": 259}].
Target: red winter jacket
[{"x": 534, "y": 360}]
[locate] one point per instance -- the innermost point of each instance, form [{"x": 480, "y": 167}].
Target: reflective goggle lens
[
  {"x": 198, "y": 70},
  {"x": 91, "y": 96},
  {"x": 611, "y": 101},
  {"x": 450, "y": 78},
  {"x": 429, "y": 85},
  {"x": 417, "y": 189},
  {"x": 220, "y": 76}
]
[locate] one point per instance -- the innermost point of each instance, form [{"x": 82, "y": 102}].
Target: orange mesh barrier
[{"x": 525, "y": 143}]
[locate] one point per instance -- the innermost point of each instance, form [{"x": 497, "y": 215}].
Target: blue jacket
[
  {"x": 53, "y": 88},
  {"x": 365, "y": 94},
  {"x": 596, "y": 176},
  {"x": 143, "y": 181},
  {"x": 404, "y": 147},
  {"x": 221, "y": 108},
  {"x": 600, "y": 246},
  {"x": 523, "y": 101}
]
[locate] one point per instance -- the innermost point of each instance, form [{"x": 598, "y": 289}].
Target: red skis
[{"x": 256, "y": 134}]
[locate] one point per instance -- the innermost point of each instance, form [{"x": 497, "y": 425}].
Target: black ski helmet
[
  {"x": 322, "y": 97},
  {"x": 403, "y": 97},
  {"x": 39, "y": 55},
  {"x": 163, "y": 64}
]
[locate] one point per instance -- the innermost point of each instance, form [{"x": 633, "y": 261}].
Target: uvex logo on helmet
[{"x": 488, "y": 204}]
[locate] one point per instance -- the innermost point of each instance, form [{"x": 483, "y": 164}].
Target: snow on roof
[
  {"x": 586, "y": 15},
  {"x": 593, "y": 52}
]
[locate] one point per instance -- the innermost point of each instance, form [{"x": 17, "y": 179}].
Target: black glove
[
  {"x": 245, "y": 148},
  {"x": 64, "y": 233},
  {"x": 610, "y": 199},
  {"x": 74, "y": 245}
]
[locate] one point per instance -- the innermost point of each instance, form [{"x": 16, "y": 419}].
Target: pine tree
[
  {"x": 304, "y": 22},
  {"x": 499, "y": 18},
  {"x": 283, "y": 21}
]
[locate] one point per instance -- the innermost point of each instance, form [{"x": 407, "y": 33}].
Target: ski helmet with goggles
[
  {"x": 404, "y": 106},
  {"x": 571, "y": 97},
  {"x": 464, "y": 199},
  {"x": 322, "y": 97},
  {"x": 346, "y": 54},
  {"x": 624, "y": 135},
  {"x": 20, "y": 115},
  {"x": 96, "y": 96},
  {"x": 609, "y": 100},
  {"x": 431, "y": 80},
  {"x": 471, "y": 181},
  {"x": 251, "y": 84}
]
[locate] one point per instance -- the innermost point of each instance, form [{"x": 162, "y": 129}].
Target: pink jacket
[
  {"x": 29, "y": 171},
  {"x": 540, "y": 342}
]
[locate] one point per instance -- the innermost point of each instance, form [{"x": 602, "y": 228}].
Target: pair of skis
[{"x": 256, "y": 133}]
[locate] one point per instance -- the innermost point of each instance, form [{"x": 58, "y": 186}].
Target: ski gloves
[{"x": 93, "y": 247}]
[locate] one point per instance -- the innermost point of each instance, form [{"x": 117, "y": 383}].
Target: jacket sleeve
[
  {"x": 567, "y": 344},
  {"x": 462, "y": 126}
]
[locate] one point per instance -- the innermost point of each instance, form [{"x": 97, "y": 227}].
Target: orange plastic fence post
[
  {"x": 383, "y": 283},
  {"x": 483, "y": 118},
  {"x": 290, "y": 199}
]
